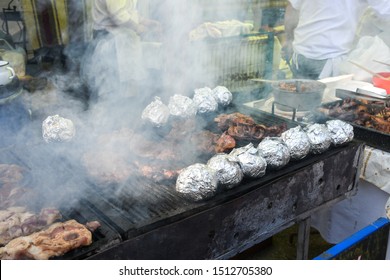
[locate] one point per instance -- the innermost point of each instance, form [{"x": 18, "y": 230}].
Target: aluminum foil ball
[
  {"x": 182, "y": 106},
  {"x": 205, "y": 101},
  {"x": 252, "y": 164},
  {"x": 340, "y": 132},
  {"x": 319, "y": 137},
  {"x": 223, "y": 96},
  {"x": 197, "y": 182},
  {"x": 297, "y": 141},
  {"x": 274, "y": 151},
  {"x": 57, "y": 129},
  {"x": 157, "y": 113},
  {"x": 227, "y": 170}
]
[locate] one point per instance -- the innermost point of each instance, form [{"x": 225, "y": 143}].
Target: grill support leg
[{"x": 303, "y": 239}]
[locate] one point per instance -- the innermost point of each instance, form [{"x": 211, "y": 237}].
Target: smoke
[{"x": 104, "y": 98}]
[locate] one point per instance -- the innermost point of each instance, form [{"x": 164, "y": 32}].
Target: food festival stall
[{"x": 114, "y": 192}]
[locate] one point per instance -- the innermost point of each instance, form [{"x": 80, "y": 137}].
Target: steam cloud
[{"x": 56, "y": 168}]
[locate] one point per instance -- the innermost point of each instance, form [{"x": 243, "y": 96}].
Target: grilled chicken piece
[
  {"x": 243, "y": 127},
  {"x": 157, "y": 172},
  {"x": 225, "y": 143},
  {"x": 226, "y": 120},
  {"x": 54, "y": 241}
]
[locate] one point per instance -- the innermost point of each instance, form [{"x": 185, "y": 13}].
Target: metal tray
[{"x": 371, "y": 137}]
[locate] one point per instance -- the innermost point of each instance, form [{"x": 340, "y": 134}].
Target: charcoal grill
[
  {"x": 157, "y": 223},
  {"x": 162, "y": 225},
  {"x": 145, "y": 220}
]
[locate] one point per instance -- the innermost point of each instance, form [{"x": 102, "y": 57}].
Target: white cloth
[
  {"x": 326, "y": 29},
  {"x": 115, "y": 60},
  {"x": 376, "y": 168},
  {"x": 345, "y": 218},
  {"x": 108, "y": 14},
  {"x": 220, "y": 29},
  {"x": 332, "y": 67}
]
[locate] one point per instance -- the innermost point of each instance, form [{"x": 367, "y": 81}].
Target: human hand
[{"x": 287, "y": 51}]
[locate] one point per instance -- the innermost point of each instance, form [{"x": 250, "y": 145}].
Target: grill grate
[{"x": 142, "y": 206}]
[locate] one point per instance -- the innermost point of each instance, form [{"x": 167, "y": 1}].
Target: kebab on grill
[{"x": 54, "y": 241}]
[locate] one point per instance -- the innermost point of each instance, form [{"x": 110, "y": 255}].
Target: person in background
[
  {"x": 320, "y": 34},
  {"x": 114, "y": 62},
  {"x": 47, "y": 29}
]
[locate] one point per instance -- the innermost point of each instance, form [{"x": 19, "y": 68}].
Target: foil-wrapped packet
[
  {"x": 157, "y": 113},
  {"x": 340, "y": 131},
  {"x": 223, "y": 96},
  {"x": 197, "y": 182},
  {"x": 319, "y": 137},
  {"x": 182, "y": 106},
  {"x": 227, "y": 170},
  {"x": 297, "y": 141},
  {"x": 205, "y": 101},
  {"x": 57, "y": 129},
  {"x": 274, "y": 151},
  {"x": 252, "y": 164}
]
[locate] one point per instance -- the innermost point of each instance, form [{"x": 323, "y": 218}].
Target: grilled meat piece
[
  {"x": 204, "y": 142},
  {"x": 275, "y": 130},
  {"x": 13, "y": 195},
  {"x": 240, "y": 131},
  {"x": 365, "y": 113},
  {"x": 243, "y": 127},
  {"x": 11, "y": 173},
  {"x": 54, "y": 241},
  {"x": 157, "y": 172},
  {"x": 225, "y": 143},
  {"x": 226, "y": 120},
  {"x": 17, "y": 221}
]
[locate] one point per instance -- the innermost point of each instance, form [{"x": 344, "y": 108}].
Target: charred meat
[
  {"x": 243, "y": 127},
  {"x": 54, "y": 241},
  {"x": 225, "y": 143},
  {"x": 364, "y": 113}
]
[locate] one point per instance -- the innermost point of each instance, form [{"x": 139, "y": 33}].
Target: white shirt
[
  {"x": 107, "y": 14},
  {"x": 337, "y": 21}
]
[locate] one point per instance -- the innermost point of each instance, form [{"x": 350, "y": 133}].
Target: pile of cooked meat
[
  {"x": 365, "y": 113},
  {"x": 25, "y": 234},
  {"x": 159, "y": 155}
]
